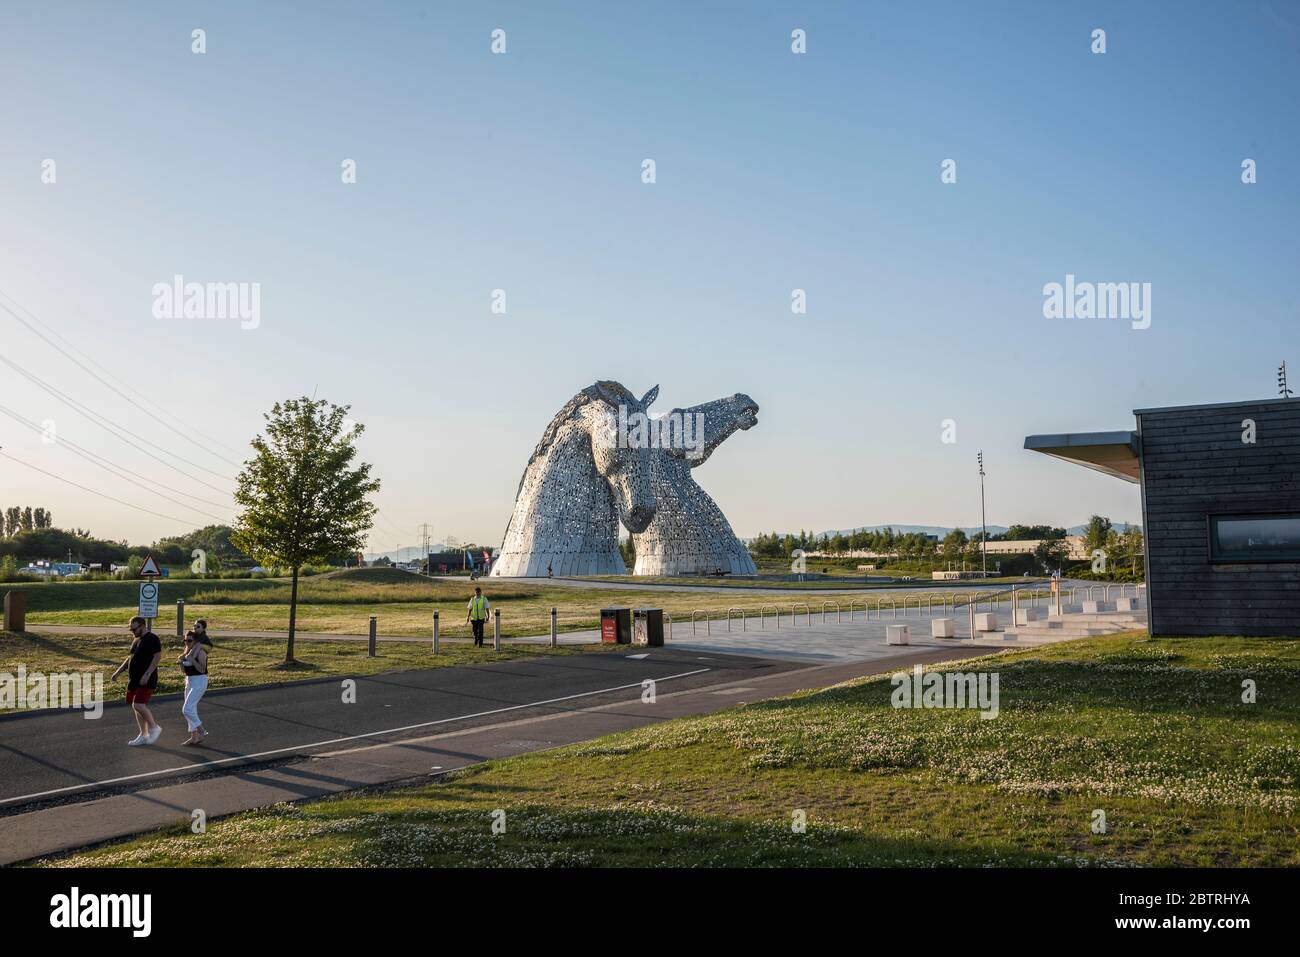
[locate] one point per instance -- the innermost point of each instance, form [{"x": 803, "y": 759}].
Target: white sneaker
[
  {"x": 138, "y": 740},
  {"x": 153, "y": 735}
]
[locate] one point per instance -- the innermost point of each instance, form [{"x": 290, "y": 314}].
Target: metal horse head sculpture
[
  {"x": 689, "y": 534},
  {"x": 580, "y": 482}
]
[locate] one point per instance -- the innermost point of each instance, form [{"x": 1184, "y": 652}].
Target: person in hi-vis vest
[{"x": 477, "y": 615}]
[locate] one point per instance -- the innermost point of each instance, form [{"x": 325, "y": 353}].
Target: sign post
[
  {"x": 148, "y": 601},
  {"x": 149, "y": 590}
]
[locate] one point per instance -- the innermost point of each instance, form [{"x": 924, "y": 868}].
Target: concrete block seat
[
  {"x": 986, "y": 621},
  {"x": 943, "y": 628},
  {"x": 898, "y": 635}
]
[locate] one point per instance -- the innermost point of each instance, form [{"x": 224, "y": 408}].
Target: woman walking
[{"x": 194, "y": 662}]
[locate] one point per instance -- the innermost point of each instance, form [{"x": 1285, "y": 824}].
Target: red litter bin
[{"x": 616, "y": 626}]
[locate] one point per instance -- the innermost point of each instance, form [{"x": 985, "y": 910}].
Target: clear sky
[{"x": 522, "y": 172}]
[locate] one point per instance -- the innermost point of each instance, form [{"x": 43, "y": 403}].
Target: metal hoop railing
[
  {"x": 762, "y": 620},
  {"x": 708, "y": 630},
  {"x": 744, "y": 625}
]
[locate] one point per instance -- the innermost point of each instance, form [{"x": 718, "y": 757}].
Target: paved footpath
[
  {"x": 404, "y": 726},
  {"x": 805, "y": 636}
]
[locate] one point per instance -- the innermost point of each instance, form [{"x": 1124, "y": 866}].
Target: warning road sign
[
  {"x": 150, "y": 568},
  {"x": 148, "y": 600}
]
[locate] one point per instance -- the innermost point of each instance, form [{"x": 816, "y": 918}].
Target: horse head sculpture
[
  {"x": 582, "y": 480},
  {"x": 689, "y": 534}
]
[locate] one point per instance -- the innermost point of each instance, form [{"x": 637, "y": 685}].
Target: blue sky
[{"x": 775, "y": 171}]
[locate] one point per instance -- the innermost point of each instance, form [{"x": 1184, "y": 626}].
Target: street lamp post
[{"x": 984, "y": 538}]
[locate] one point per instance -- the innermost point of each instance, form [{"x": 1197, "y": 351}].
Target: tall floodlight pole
[{"x": 984, "y": 539}]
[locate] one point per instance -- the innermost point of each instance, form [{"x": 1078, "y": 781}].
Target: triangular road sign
[{"x": 150, "y": 569}]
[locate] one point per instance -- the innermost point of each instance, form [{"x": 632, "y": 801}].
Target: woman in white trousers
[{"x": 194, "y": 662}]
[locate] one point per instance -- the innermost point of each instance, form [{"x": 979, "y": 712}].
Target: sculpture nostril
[{"x": 639, "y": 518}]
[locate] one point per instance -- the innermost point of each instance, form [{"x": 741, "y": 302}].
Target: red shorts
[{"x": 138, "y": 695}]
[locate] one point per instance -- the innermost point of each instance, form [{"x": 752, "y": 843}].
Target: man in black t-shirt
[{"x": 141, "y": 666}]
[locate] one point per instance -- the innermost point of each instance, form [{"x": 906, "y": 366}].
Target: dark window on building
[{"x": 1255, "y": 538}]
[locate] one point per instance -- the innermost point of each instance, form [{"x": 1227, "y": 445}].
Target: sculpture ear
[
  {"x": 650, "y": 397},
  {"x": 614, "y": 393}
]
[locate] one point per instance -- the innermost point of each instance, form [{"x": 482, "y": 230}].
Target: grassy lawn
[
  {"x": 403, "y": 604},
  {"x": 1152, "y": 732},
  {"x": 250, "y": 661}
]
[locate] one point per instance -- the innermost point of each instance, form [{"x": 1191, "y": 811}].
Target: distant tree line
[
  {"x": 1123, "y": 550},
  {"x": 20, "y": 518},
  {"x": 45, "y": 542}
]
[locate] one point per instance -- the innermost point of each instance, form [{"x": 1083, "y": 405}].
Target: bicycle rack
[
  {"x": 744, "y": 625},
  {"x": 708, "y": 630}
]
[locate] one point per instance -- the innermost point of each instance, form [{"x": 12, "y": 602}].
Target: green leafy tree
[
  {"x": 954, "y": 543},
  {"x": 300, "y": 496},
  {"x": 1051, "y": 553},
  {"x": 1096, "y": 534}
]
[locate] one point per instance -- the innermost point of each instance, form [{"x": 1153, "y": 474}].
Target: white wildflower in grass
[{"x": 1131, "y": 722}]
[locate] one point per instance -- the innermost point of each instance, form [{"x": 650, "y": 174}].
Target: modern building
[
  {"x": 1075, "y": 549},
  {"x": 1220, "y": 511}
]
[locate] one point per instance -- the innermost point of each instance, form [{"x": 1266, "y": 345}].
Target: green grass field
[
  {"x": 403, "y": 604},
  {"x": 1152, "y": 732}
]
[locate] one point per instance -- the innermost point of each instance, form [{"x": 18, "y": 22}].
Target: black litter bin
[
  {"x": 616, "y": 625},
  {"x": 648, "y": 628}
]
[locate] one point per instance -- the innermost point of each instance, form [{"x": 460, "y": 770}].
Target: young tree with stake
[{"x": 301, "y": 499}]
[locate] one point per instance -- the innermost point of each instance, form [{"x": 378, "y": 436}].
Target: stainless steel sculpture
[
  {"x": 689, "y": 534},
  {"x": 578, "y": 485},
  {"x": 602, "y": 460}
]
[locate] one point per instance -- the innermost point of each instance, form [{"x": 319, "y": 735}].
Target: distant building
[{"x": 1026, "y": 546}]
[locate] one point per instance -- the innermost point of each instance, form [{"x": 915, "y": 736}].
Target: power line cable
[
  {"x": 94, "y": 417},
  {"x": 118, "y": 471},
  {"x": 105, "y": 381},
  {"x": 60, "y": 478}
]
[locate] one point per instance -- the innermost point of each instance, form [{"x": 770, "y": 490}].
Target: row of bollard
[
  {"x": 374, "y": 626},
  {"x": 496, "y": 632}
]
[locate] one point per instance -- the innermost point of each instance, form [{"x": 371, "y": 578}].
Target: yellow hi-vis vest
[{"x": 478, "y": 608}]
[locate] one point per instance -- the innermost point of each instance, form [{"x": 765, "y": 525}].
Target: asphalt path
[{"x": 50, "y": 756}]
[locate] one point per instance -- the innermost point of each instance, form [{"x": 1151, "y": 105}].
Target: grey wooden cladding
[{"x": 1194, "y": 465}]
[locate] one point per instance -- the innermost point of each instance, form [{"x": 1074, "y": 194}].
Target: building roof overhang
[{"x": 1114, "y": 453}]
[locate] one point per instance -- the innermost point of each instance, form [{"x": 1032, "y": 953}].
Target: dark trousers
[{"x": 477, "y": 625}]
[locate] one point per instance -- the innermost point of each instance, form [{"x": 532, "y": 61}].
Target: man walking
[
  {"x": 141, "y": 666},
  {"x": 477, "y": 615}
]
